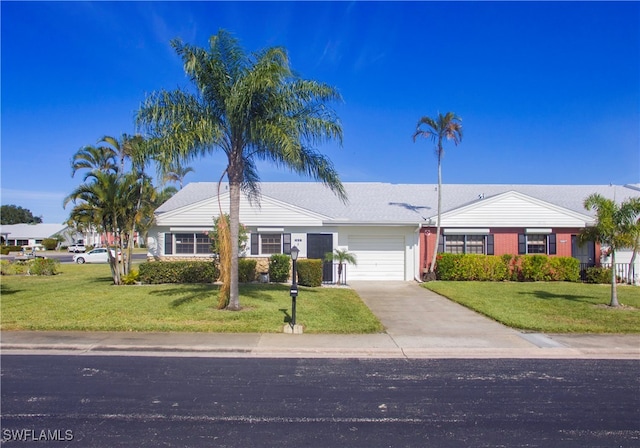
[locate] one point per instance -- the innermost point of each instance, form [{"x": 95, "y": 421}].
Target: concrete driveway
[{"x": 416, "y": 317}]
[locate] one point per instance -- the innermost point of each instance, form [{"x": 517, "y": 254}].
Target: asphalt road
[{"x": 234, "y": 402}]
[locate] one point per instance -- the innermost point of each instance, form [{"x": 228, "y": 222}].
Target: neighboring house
[
  {"x": 389, "y": 227},
  {"x": 33, "y": 234}
]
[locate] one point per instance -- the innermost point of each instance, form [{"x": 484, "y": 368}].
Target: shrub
[
  {"x": 309, "y": 272},
  {"x": 6, "y": 249},
  {"x": 246, "y": 270},
  {"x": 279, "y": 268},
  {"x": 43, "y": 266},
  {"x": 6, "y": 268},
  {"x": 507, "y": 267},
  {"x": 178, "y": 272},
  {"x": 131, "y": 278},
  {"x": 471, "y": 267},
  {"x": 50, "y": 243},
  {"x": 597, "y": 274}
]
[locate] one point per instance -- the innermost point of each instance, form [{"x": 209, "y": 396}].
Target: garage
[{"x": 379, "y": 257}]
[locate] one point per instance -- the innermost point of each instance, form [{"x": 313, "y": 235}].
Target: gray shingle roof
[{"x": 376, "y": 202}]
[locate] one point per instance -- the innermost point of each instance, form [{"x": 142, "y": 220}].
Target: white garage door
[{"x": 378, "y": 257}]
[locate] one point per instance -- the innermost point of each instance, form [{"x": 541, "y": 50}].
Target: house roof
[
  {"x": 374, "y": 202},
  {"x": 31, "y": 231}
]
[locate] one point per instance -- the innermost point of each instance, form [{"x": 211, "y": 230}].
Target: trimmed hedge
[
  {"x": 279, "y": 268},
  {"x": 309, "y": 272},
  {"x": 4, "y": 250},
  {"x": 465, "y": 267},
  {"x": 246, "y": 270},
  {"x": 157, "y": 272},
  {"x": 50, "y": 243}
]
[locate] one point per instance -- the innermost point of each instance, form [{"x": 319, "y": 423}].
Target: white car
[
  {"x": 77, "y": 248},
  {"x": 96, "y": 256}
]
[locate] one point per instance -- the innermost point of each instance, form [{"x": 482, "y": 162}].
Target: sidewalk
[{"x": 419, "y": 324}]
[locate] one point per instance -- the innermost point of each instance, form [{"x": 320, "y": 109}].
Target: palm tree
[
  {"x": 341, "y": 257},
  {"x": 252, "y": 108},
  {"x": 176, "y": 173},
  {"x": 124, "y": 148},
  {"x": 94, "y": 158},
  {"x": 616, "y": 227},
  {"x": 447, "y": 126}
]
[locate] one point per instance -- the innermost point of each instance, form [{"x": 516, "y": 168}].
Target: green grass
[
  {"x": 82, "y": 297},
  {"x": 553, "y": 307}
]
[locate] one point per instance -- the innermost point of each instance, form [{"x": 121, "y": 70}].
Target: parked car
[
  {"x": 96, "y": 256},
  {"x": 76, "y": 248}
]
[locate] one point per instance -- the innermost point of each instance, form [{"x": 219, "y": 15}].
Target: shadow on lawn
[
  {"x": 546, "y": 295},
  {"x": 5, "y": 290},
  {"x": 188, "y": 294}
]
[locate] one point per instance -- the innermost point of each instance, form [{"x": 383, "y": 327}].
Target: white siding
[
  {"x": 269, "y": 213},
  {"x": 513, "y": 210}
]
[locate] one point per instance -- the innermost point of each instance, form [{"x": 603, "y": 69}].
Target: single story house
[
  {"x": 390, "y": 228},
  {"x": 32, "y": 234}
]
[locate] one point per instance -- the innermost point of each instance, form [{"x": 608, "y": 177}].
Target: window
[
  {"x": 270, "y": 243},
  {"x": 535, "y": 243},
  {"x": 184, "y": 243},
  {"x": 187, "y": 243},
  {"x": 466, "y": 244}
]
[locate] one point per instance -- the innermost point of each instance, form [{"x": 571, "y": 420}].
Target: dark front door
[
  {"x": 318, "y": 244},
  {"x": 585, "y": 252}
]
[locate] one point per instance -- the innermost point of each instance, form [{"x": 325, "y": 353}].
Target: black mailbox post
[{"x": 294, "y": 285}]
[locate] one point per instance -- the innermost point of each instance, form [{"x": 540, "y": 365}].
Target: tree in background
[
  {"x": 341, "y": 257},
  {"x": 449, "y": 127},
  {"x": 176, "y": 172},
  {"x": 616, "y": 227},
  {"x": 252, "y": 108},
  {"x": 14, "y": 214}
]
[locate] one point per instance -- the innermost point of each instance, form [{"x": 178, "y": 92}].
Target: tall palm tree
[
  {"x": 449, "y": 127},
  {"x": 94, "y": 158},
  {"x": 253, "y": 108},
  {"x": 616, "y": 227},
  {"x": 127, "y": 147}
]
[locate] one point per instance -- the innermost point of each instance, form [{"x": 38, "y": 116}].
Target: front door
[
  {"x": 585, "y": 252},
  {"x": 318, "y": 244}
]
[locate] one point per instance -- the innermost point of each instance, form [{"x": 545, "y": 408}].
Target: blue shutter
[
  {"x": 522, "y": 244},
  {"x": 490, "y": 250},
  {"x": 286, "y": 243},
  {"x": 551, "y": 241},
  {"x": 168, "y": 243},
  {"x": 254, "y": 244}
]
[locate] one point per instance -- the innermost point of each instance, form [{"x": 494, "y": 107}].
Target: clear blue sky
[{"x": 548, "y": 91}]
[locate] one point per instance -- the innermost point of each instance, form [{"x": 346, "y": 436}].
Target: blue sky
[{"x": 548, "y": 92}]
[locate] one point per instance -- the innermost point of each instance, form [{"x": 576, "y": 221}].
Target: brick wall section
[{"x": 505, "y": 242}]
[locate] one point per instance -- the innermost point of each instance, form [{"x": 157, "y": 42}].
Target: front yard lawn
[
  {"x": 83, "y": 298},
  {"x": 553, "y": 307}
]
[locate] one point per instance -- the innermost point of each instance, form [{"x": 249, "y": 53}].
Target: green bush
[
  {"x": 37, "y": 266},
  {"x": 6, "y": 249},
  {"x": 279, "y": 268},
  {"x": 246, "y": 270},
  {"x": 131, "y": 278},
  {"x": 178, "y": 272},
  {"x": 597, "y": 274},
  {"x": 50, "y": 243},
  {"x": 461, "y": 267},
  {"x": 43, "y": 266},
  {"x": 309, "y": 272},
  {"x": 472, "y": 267}
]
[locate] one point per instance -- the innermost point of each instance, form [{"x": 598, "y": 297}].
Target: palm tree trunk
[
  {"x": 614, "y": 291},
  {"x": 234, "y": 221},
  {"x": 435, "y": 246}
]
